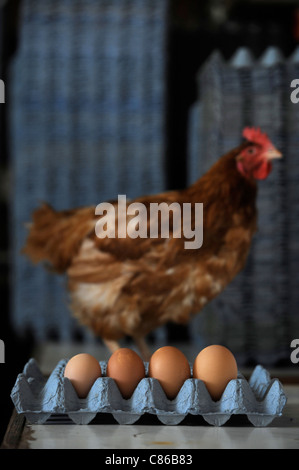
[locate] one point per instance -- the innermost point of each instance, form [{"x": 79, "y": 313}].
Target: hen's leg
[
  {"x": 111, "y": 345},
  {"x": 143, "y": 348},
  {"x": 140, "y": 343}
]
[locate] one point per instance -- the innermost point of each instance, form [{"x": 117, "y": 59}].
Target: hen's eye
[{"x": 250, "y": 150}]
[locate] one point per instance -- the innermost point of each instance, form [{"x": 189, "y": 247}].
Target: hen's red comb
[{"x": 255, "y": 135}]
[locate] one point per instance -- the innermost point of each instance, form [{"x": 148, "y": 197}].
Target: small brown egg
[
  {"x": 127, "y": 369},
  {"x": 171, "y": 367},
  {"x": 82, "y": 370},
  {"x": 215, "y": 366}
]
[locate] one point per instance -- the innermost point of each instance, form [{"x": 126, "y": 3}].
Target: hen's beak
[{"x": 272, "y": 153}]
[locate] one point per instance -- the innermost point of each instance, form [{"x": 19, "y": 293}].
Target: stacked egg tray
[{"x": 37, "y": 397}]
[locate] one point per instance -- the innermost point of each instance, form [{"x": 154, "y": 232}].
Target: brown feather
[
  {"x": 56, "y": 236},
  {"x": 131, "y": 286}
]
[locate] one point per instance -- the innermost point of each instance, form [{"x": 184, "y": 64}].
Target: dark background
[{"x": 194, "y": 31}]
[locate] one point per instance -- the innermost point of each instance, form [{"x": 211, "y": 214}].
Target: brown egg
[
  {"x": 82, "y": 370},
  {"x": 127, "y": 369},
  {"x": 215, "y": 366},
  {"x": 171, "y": 367}
]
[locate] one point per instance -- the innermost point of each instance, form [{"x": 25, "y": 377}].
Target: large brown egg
[
  {"x": 215, "y": 366},
  {"x": 171, "y": 367},
  {"x": 127, "y": 369},
  {"x": 82, "y": 370}
]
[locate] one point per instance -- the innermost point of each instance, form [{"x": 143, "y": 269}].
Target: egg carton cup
[{"x": 261, "y": 398}]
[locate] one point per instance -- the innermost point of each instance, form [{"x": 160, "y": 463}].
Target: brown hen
[{"x": 131, "y": 286}]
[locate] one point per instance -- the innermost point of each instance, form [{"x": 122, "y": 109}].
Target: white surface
[
  {"x": 148, "y": 437},
  {"x": 282, "y": 433}
]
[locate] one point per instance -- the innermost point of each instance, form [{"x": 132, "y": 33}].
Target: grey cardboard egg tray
[{"x": 37, "y": 397}]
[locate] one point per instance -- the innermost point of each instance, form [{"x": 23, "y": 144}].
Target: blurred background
[{"x": 108, "y": 97}]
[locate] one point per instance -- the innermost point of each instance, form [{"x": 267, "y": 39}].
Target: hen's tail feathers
[{"x": 55, "y": 237}]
